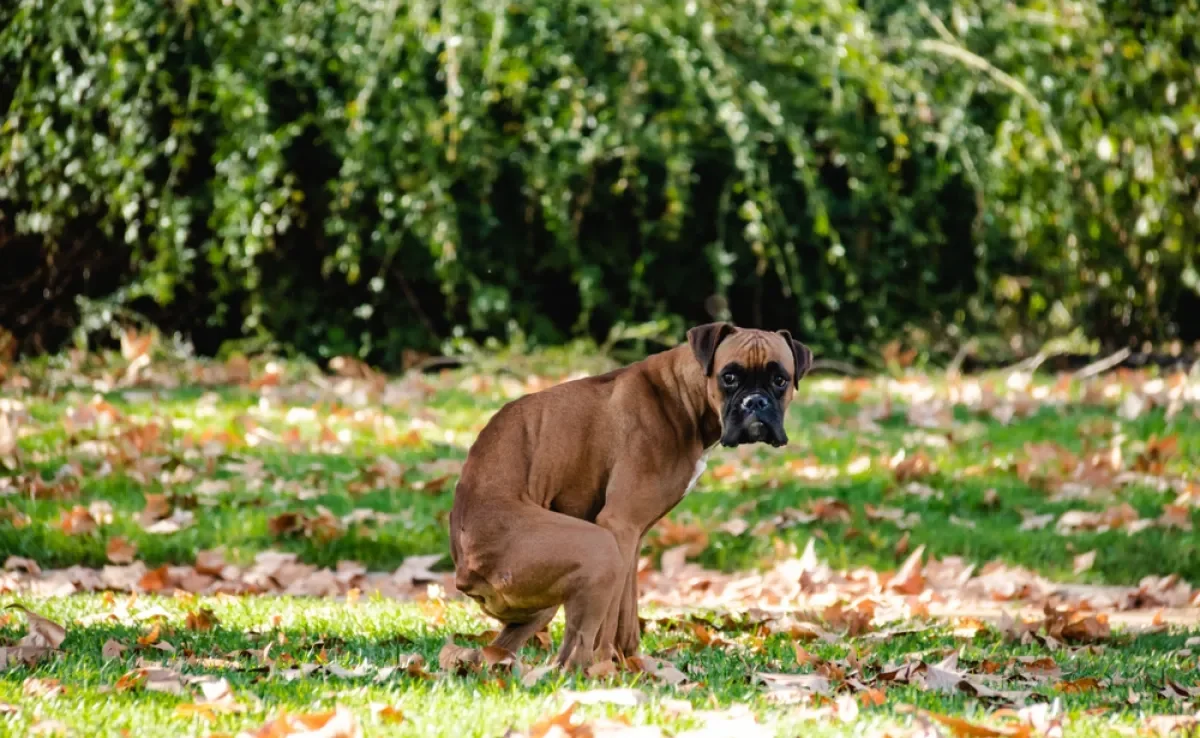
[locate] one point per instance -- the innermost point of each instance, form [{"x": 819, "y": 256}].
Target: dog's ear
[
  {"x": 802, "y": 357},
  {"x": 704, "y": 340}
]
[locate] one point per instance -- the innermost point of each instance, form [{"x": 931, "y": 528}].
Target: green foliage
[{"x": 369, "y": 175}]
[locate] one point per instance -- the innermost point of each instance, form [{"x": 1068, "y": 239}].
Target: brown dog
[{"x": 562, "y": 484}]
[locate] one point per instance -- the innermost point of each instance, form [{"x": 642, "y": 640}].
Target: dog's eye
[
  {"x": 729, "y": 378},
  {"x": 781, "y": 381}
]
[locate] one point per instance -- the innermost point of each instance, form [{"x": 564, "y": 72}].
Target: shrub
[{"x": 366, "y": 176}]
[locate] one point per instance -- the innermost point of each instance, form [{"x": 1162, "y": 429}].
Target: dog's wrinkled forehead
[{"x": 753, "y": 350}]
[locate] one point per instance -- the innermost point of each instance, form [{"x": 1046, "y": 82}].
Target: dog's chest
[{"x": 701, "y": 465}]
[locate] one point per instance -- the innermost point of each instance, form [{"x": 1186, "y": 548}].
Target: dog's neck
[{"x": 679, "y": 367}]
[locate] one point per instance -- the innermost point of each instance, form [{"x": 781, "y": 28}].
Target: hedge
[{"x": 372, "y": 176}]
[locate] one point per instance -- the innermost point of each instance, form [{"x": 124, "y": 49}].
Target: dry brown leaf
[
  {"x": 154, "y": 580},
  {"x": 42, "y": 687},
  {"x": 1079, "y": 686},
  {"x": 211, "y": 562},
  {"x": 803, "y": 657},
  {"x": 131, "y": 680},
  {"x": 112, "y": 649},
  {"x": 43, "y": 632},
  {"x": 1171, "y": 725},
  {"x": 564, "y": 725},
  {"x": 533, "y": 676},
  {"x": 121, "y": 551},
  {"x": 1084, "y": 561},
  {"x": 961, "y": 728},
  {"x": 495, "y": 657},
  {"x": 77, "y": 521},
  {"x": 157, "y": 507},
  {"x": 909, "y": 579},
  {"x": 150, "y": 638},
  {"x": 662, "y": 670},
  {"x": 337, "y": 723},
  {"x": 27, "y": 655},
  {"x": 908, "y": 468},
  {"x": 202, "y": 619},
  {"x": 784, "y": 686},
  {"x": 388, "y": 714},
  {"x": 456, "y": 659},
  {"x": 1078, "y": 626},
  {"x": 160, "y": 679}
]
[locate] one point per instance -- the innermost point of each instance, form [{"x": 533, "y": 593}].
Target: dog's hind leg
[
  {"x": 515, "y": 635},
  {"x": 522, "y": 563}
]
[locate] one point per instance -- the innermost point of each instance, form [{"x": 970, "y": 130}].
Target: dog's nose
[{"x": 755, "y": 403}]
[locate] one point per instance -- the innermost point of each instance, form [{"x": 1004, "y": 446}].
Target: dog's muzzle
[{"x": 754, "y": 418}]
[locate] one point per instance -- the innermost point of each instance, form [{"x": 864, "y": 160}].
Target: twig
[
  {"x": 975, "y": 61},
  {"x": 1029, "y": 365},
  {"x": 439, "y": 362},
  {"x": 1103, "y": 365},
  {"x": 955, "y": 367}
]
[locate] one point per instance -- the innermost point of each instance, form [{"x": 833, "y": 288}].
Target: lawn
[{"x": 260, "y": 548}]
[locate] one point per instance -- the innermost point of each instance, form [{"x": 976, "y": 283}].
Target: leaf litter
[{"x": 840, "y": 603}]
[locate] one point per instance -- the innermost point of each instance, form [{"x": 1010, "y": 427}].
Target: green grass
[
  {"x": 235, "y": 487},
  {"x": 378, "y": 634}
]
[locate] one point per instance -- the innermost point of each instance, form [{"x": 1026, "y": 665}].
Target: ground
[{"x": 200, "y": 548}]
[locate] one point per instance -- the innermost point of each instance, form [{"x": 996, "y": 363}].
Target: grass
[
  {"x": 237, "y": 457},
  {"x": 379, "y": 634}
]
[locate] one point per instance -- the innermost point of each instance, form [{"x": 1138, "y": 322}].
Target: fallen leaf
[
  {"x": 961, "y": 728},
  {"x": 202, "y": 619},
  {"x": 1079, "y": 686},
  {"x": 456, "y": 659},
  {"x": 662, "y": 670},
  {"x": 211, "y": 562},
  {"x": 1084, "y": 561},
  {"x": 337, "y": 723},
  {"x": 785, "y": 686},
  {"x": 388, "y": 714},
  {"x": 533, "y": 676},
  {"x": 178, "y": 520},
  {"x": 909, "y": 580},
  {"x": 77, "y": 521},
  {"x": 151, "y": 637},
  {"x": 154, "y": 580},
  {"x": 42, "y": 632},
  {"x": 499, "y": 658},
  {"x": 560, "y": 724},
  {"x": 159, "y": 679},
  {"x": 112, "y": 649},
  {"x": 157, "y": 507},
  {"x": 131, "y": 680},
  {"x": 1078, "y": 627},
  {"x": 121, "y": 551},
  {"x": 1171, "y": 725},
  {"x": 42, "y": 687}
]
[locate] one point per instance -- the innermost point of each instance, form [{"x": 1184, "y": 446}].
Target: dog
[{"x": 561, "y": 485}]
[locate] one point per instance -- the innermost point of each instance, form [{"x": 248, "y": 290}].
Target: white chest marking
[{"x": 701, "y": 465}]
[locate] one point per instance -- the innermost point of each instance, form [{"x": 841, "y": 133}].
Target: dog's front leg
[
  {"x": 629, "y": 629},
  {"x": 637, "y": 495},
  {"x": 627, "y": 541},
  {"x": 621, "y": 633}
]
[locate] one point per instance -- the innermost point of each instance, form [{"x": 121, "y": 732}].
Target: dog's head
[{"x": 751, "y": 376}]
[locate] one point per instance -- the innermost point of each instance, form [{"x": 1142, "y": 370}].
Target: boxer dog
[{"x": 561, "y": 485}]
